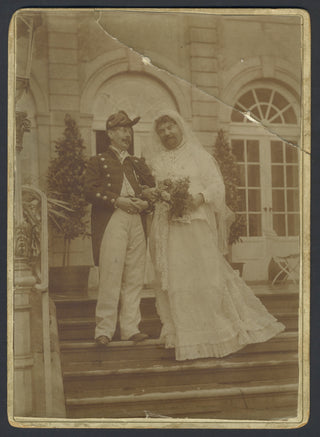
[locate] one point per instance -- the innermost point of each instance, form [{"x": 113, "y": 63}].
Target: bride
[{"x": 205, "y": 308}]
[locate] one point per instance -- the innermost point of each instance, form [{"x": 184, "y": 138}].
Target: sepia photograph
[{"x": 158, "y": 239}]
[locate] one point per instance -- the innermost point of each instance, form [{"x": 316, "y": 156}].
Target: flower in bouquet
[
  {"x": 175, "y": 192},
  {"x": 165, "y": 196}
]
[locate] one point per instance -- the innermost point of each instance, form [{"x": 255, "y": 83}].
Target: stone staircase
[{"x": 127, "y": 380}]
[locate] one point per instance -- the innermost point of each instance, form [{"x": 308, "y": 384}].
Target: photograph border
[{"x": 304, "y": 308}]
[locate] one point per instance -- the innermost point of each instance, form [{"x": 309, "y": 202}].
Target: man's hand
[
  {"x": 140, "y": 204},
  {"x": 127, "y": 204},
  {"x": 149, "y": 194},
  {"x": 198, "y": 200}
]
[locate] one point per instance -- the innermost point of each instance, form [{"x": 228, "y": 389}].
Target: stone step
[
  {"x": 117, "y": 351},
  {"x": 277, "y": 413},
  {"x": 83, "y": 328},
  {"x": 281, "y": 301},
  {"x": 101, "y": 379},
  {"x": 94, "y": 367},
  {"x": 120, "y": 391},
  {"x": 78, "y": 307},
  {"x": 67, "y": 307},
  {"x": 254, "y": 402}
]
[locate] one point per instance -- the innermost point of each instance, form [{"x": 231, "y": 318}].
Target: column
[
  {"x": 204, "y": 65},
  {"x": 24, "y": 282}
]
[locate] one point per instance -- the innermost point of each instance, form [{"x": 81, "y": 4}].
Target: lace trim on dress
[
  {"x": 161, "y": 232},
  {"x": 218, "y": 350}
]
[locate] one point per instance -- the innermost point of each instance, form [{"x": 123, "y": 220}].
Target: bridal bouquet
[{"x": 175, "y": 193}]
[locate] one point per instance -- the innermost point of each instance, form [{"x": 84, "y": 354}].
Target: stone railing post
[
  {"x": 24, "y": 282},
  {"x": 23, "y": 359}
]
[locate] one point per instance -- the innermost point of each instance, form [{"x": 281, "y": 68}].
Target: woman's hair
[{"x": 164, "y": 119}]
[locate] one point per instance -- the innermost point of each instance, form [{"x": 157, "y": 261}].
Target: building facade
[{"x": 206, "y": 67}]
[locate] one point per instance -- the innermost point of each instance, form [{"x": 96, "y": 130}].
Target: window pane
[
  {"x": 254, "y": 200},
  {"x": 293, "y": 224},
  {"x": 279, "y": 224},
  {"x": 279, "y": 101},
  {"x": 276, "y": 151},
  {"x": 293, "y": 200},
  {"x": 278, "y": 200},
  {"x": 277, "y": 120},
  {"x": 242, "y": 200},
  {"x": 292, "y": 175},
  {"x": 244, "y": 220},
  {"x": 247, "y": 99},
  {"x": 291, "y": 154},
  {"x": 277, "y": 176},
  {"x": 238, "y": 149},
  {"x": 254, "y": 175},
  {"x": 263, "y": 94},
  {"x": 290, "y": 116},
  {"x": 254, "y": 225},
  {"x": 242, "y": 177},
  {"x": 255, "y": 112},
  {"x": 272, "y": 112},
  {"x": 264, "y": 109},
  {"x": 253, "y": 151}
]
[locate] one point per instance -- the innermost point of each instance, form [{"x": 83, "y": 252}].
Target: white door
[{"x": 269, "y": 175}]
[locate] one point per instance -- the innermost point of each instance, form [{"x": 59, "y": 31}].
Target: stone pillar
[
  {"x": 22, "y": 125},
  {"x": 64, "y": 94},
  {"x": 43, "y": 125},
  {"x": 204, "y": 74},
  {"x": 23, "y": 359},
  {"x": 24, "y": 282}
]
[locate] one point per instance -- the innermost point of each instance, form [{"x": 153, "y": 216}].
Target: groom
[{"x": 116, "y": 183}]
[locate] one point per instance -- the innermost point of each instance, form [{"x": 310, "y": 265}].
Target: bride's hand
[
  {"x": 198, "y": 200},
  {"x": 149, "y": 194}
]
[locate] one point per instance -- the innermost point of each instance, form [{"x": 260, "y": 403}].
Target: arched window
[
  {"x": 266, "y": 105},
  {"x": 268, "y": 165}
]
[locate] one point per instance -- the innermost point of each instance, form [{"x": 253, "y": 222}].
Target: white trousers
[{"x": 121, "y": 275}]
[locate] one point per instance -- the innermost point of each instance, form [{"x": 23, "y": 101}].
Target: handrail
[
  {"x": 43, "y": 288},
  {"x": 44, "y": 284}
]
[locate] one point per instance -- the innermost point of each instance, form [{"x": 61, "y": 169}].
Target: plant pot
[
  {"x": 235, "y": 265},
  {"x": 238, "y": 267},
  {"x": 69, "y": 280}
]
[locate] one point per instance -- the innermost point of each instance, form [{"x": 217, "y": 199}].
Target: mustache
[{"x": 169, "y": 137}]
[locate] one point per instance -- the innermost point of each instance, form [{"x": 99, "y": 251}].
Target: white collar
[
  {"x": 122, "y": 154},
  {"x": 178, "y": 148}
]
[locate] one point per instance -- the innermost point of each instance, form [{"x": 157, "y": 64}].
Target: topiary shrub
[
  {"x": 230, "y": 172},
  {"x": 66, "y": 188}
]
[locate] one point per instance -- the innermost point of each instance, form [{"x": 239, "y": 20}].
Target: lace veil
[{"x": 221, "y": 217}]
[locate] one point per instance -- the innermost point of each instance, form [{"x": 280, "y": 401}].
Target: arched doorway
[
  {"x": 138, "y": 94},
  {"x": 269, "y": 174}
]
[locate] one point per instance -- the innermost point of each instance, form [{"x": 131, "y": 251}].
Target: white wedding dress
[{"x": 206, "y": 309}]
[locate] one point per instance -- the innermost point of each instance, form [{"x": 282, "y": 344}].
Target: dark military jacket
[{"x": 103, "y": 183}]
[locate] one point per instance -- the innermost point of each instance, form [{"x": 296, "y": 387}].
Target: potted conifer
[
  {"x": 66, "y": 191},
  {"x": 230, "y": 172}
]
